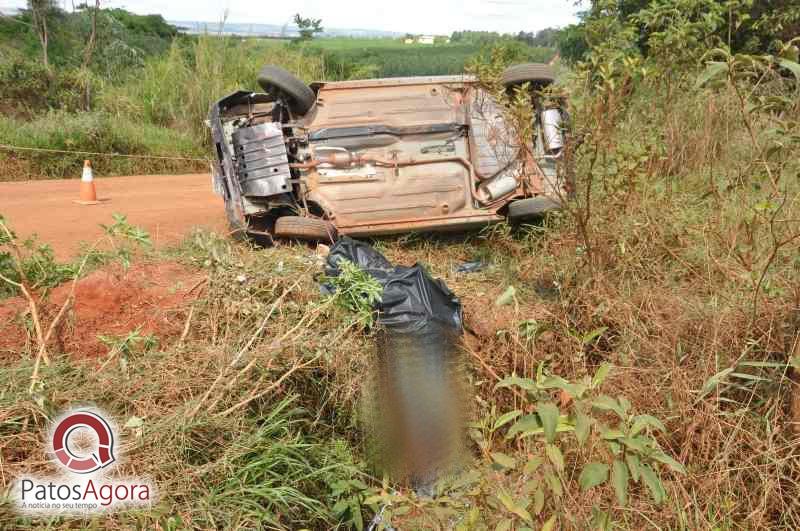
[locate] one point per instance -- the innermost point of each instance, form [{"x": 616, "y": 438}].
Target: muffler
[{"x": 552, "y": 130}]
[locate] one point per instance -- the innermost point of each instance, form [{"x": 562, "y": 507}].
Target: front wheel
[
  {"x": 302, "y": 228},
  {"x": 299, "y": 96}
]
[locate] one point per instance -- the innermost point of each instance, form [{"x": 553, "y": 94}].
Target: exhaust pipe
[{"x": 552, "y": 130}]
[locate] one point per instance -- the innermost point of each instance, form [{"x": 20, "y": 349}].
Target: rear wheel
[
  {"x": 533, "y": 207},
  {"x": 538, "y": 74},
  {"x": 275, "y": 81},
  {"x": 304, "y": 228}
]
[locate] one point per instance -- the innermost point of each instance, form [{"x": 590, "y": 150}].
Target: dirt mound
[{"x": 151, "y": 297}]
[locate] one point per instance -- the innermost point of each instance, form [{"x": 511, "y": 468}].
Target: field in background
[{"x": 351, "y": 58}]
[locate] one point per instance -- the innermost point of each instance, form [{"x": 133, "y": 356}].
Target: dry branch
[
  {"x": 186, "y": 326},
  {"x": 54, "y": 323},
  {"x": 26, "y": 292},
  {"x": 296, "y": 367},
  {"x": 244, "y": 349}
]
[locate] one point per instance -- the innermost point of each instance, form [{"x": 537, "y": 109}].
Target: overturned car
[{"x": 383, "y": 156}]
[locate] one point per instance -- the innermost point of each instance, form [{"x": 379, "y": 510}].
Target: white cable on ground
[{"x": 47, "y": 150}]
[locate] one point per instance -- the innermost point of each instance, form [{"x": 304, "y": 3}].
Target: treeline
[
  {"x": 546, "y": 38},
  {"x": 109, "y": 81},
  {"x": 88, "y": 80},
  {"x": 115, "y": 38},
  {"x": 741, "y": 26}
]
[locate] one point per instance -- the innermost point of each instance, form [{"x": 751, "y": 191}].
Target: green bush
[
  {"x": 25, "y": 83},
  {"x": 37, "y": 264}
]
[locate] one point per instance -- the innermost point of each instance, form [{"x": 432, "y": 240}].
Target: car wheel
[
  {"x": 535, "y": 73},
  {"x": 300, "y": 97},
  {"x": 304, "y": 228},
  {"x": 533, "y": 207}
]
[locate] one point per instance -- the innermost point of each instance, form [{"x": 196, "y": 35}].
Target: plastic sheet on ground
[{"x": 412, "y": 299}]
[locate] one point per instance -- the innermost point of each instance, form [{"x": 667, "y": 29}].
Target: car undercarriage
[{"x": 382, "y": 156}]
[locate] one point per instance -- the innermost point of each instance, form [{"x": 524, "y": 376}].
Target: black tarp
[{"x": 412, "y": 300}]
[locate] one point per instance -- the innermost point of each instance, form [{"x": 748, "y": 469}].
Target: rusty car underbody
[{"x": 379, "y": 156}]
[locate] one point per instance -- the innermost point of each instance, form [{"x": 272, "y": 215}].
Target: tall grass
[
  {"x": 177, "y": 90},
  {"x": 278, "y": 463},
  {"x": 274, "y": 477},
  {"x": 158, "y": 109}
]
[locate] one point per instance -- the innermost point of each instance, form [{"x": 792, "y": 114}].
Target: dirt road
[{"x": 167, "y": 206}]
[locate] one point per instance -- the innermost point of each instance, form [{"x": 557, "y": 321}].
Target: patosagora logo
[
  {"x": 82, "y": 445},
  {"x": 72, "y": 424}
]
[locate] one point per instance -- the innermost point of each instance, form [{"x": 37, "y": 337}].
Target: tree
[
  {"x": 572, "y": 44},
  {"x": 40, "y": 12},
  {"x": 307, "y": 27},
  {"x": 475, "y": 37},
  {"x": 745, "y": 26},
  {"x": 87, "y": 54},
  {"x": 92, "y": 40}
]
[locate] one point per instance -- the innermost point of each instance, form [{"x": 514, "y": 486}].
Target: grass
[
  {"x": 270, "y": 463},
  {"x": 199, "y": 72},
  {"x": 99, "y": 132},
  {"x": 299, "y": 457}
]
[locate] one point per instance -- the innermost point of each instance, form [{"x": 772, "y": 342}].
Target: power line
[{"x": 100, "y": 154}]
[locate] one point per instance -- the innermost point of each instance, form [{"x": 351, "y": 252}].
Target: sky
[{"x": 413, "y": 16}]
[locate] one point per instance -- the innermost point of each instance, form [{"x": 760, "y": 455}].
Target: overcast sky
[{"x": 414, "y": 16}]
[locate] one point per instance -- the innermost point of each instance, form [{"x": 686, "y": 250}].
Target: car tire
[
  {"x": 534, "y": 207},
  {"x": 302, "y": 228},
  {"x": 275, "y": 79},
  {"x": 535, "y": 73}
]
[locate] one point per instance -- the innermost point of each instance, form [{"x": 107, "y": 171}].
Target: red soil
[{"x": 112, "y": 302}]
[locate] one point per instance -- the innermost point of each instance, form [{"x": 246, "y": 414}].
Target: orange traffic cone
[{"x": 88, "y": 192}]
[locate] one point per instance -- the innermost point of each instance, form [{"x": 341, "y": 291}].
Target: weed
[
  {"x": 273, "y": 477},
  {"x": 122, "y": 347},
  {"x": 356, "y": 291},
  {"x": 38, "y": 266}
]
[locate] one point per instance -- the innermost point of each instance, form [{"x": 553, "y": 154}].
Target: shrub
[{"x": 37, "y": 265}]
